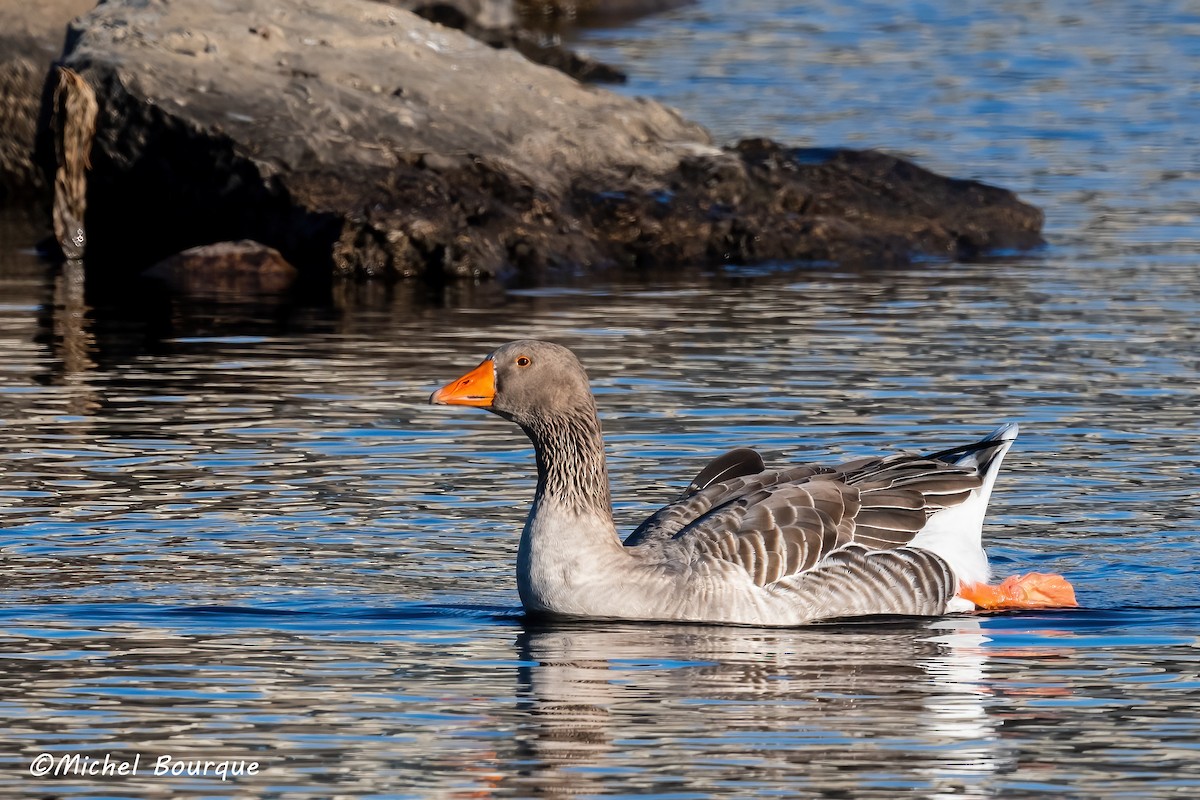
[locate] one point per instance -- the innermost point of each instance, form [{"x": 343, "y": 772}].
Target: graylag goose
[{"x": 899, "y": 534}]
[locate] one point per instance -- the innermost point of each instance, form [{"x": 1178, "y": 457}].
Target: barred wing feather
[{"x": 781, "y": 524}]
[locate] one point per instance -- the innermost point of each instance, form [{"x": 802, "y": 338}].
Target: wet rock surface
[
  {"x": 760, "y": 201},
  {"x": 359, "y": 139}
]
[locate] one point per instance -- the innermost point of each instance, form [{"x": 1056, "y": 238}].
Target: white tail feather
[{"x": 956, "y": 534}]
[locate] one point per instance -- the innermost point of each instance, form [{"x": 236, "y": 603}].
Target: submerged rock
[
  {"x": 359, "y": 139},
  {"x": 237, "y": 268}
]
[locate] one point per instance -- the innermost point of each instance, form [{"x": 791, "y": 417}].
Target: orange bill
[
  {"x": 476, "y": 388},
  {"x": 1031, "y": 590}
]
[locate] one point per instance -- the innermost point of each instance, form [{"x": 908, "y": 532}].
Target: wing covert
[{"x": 783, "y": 523}]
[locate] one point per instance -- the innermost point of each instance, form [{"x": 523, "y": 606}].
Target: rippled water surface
[{"x": 235, "y": 530}]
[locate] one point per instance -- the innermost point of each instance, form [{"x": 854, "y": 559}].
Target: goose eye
[{"x": 523, "y": 361}]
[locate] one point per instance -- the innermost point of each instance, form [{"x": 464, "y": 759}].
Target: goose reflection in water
[{"x": 831, "y": 707}]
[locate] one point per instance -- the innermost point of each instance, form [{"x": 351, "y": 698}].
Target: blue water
[{"x": 235, "y": 531}]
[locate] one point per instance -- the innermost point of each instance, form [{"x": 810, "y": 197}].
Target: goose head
[{"x": 526, "y": 381}]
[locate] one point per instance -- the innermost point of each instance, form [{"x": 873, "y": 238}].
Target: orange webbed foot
[{"x": 1031, "y": 590}]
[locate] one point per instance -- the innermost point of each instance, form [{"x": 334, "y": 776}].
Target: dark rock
[
  {"x": 495, "y": 23},
  {"x": 20, "y": 91},
  {"x": 484, "y": 14},
  {"x": 563, "y": 13},
  {"x": 761, "y": 201},
  {"x": 226, "y": 268},
  {"x": 540, "y": 48},
  {"x": 359, "y": 139}
]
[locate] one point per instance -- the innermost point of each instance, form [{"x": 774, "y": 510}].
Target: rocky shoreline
[{"x": 360, "y": 139}]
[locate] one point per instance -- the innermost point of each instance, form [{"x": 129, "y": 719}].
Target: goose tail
[{"x": 956, "y": 534}]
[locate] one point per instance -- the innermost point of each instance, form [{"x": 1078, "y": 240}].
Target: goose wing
[
  {"x": 734, "y": 464},
  {"x": 787, "y": 523},
  {"x": 725, "y": 478}
]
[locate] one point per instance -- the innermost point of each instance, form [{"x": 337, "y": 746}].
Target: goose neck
[{"x": 572, "y": 470}]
